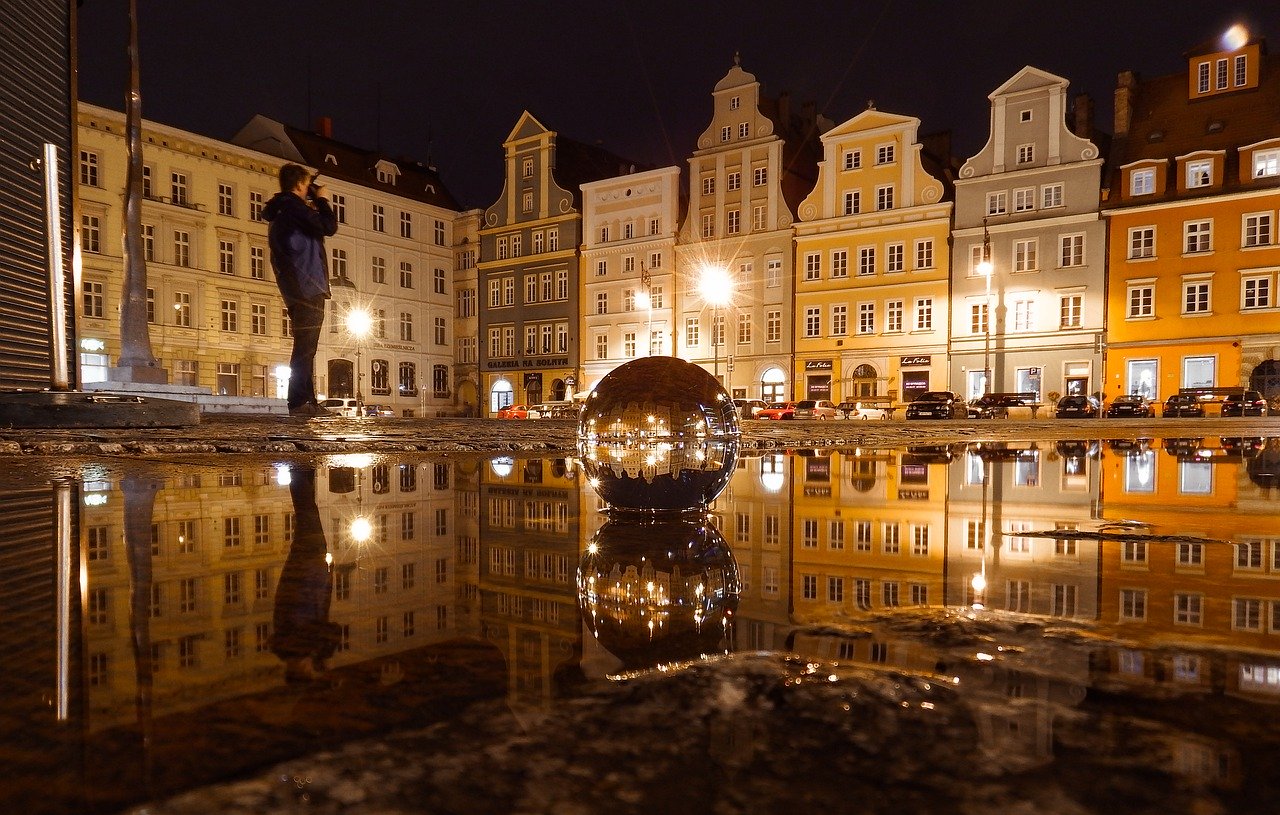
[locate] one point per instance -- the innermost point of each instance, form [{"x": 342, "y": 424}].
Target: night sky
[{"x": 445, "y": 82}]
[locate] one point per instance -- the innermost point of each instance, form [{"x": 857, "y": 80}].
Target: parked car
[
  {"x": 514, "y": 412},
  {"x": 858, "y": 410},
  {"x": 378, "y": 410},
  {"x": 1249, "y": 403},
  {"x": 1183, "y": 405},
  {"x": 815, "y": 409},
  {"x": 938, "y": 405},
  {"x": 341, "y": 406},
  {"x": 748, "y": 408},
  {"x": 1077, "y": 407},
  {"x": 553, "y": 410},
  {"x": 778, "y": 410},
  {"x": 1130, "y": 406}
]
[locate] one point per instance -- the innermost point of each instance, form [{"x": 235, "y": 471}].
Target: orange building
[{"x": 1191, "y": 206}]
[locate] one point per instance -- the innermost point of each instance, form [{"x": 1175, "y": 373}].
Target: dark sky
[{"x": 446, "y": 81}]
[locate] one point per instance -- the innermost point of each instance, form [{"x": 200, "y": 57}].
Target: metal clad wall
[{"x": 36, "y": 106}]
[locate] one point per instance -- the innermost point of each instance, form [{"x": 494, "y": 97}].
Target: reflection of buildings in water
[
  {"x": 867, "y": 532},
  {"x": 218, "y": 539},
  {"x": 657, "y": 590},
  {"x": 1001, "y": 495},
  {"x": 529, "y": 544},
  {"x": 646, "y": 441}
]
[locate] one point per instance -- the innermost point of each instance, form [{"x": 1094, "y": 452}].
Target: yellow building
[
  {"x": 1191, "y": 209},
  {"x": 872, "y": 265}
]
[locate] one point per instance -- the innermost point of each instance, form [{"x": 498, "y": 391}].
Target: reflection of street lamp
[
  {"x": 359, "y": 323},
  {"x": 716, "y": 287},
  {"x": 986, "y": 269}
]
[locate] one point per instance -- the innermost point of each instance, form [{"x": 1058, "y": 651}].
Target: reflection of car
[
  {"x": 341, "y": 406},
  {"x": 1183, "y": 405},
  {"x": 1129, "y": 447},
  {"x": 1077, "y": 448},
  {"x": 378, "y": 410},
  {"x": 748, "y": 408},
  {"x": 1188, "y": 448},
  {"x": 1076, "y": 407},
  {"x": 814, "y": 409},
  {"x": 514, "y": 412},
  {"x": 932, "y": 453},
  {"x": 553, "y": 410},
  {"x": 1249, "y": 403},
  {"x": 858, "y": 410},
  {"x": 1129, "y": 406},
  {"x": 938, "y": 405},
  {"x": 778, "y": 410},
  {"x": 1243, "y": 446}
]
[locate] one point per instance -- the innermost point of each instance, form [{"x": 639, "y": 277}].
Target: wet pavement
[{"x": 875, "y": 617}]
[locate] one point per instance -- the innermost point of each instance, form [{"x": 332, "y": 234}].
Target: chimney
[
  {"x": 324, "y": 127},
  {"x": 1083, "y": 110},
  {"x": 1126, "y": 84}
]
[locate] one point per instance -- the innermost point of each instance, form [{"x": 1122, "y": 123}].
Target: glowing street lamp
[
  {"x": 716, "y": 287},
  {"x": 359, "y": 324}
]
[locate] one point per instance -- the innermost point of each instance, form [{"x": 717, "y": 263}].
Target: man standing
[{"x": 301, "y": 219}]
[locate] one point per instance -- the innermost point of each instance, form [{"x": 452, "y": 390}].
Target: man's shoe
[{"x": 310, "y": 410}]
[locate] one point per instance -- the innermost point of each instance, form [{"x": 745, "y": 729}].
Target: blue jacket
[{"x": 296, "y": 237}]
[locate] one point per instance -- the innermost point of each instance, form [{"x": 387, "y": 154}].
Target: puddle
[{"x": 1074, "y": 626}]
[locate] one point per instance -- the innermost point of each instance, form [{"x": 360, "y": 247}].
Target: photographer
[{"x": 301, "y": 218}]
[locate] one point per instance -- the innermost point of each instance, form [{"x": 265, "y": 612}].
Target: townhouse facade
[
  {"x": 528, "y": 266},
  {"x": 1027, "y": 294},
  {"x": 628, "y": 269},
  {"x": 753, "y": 164},
  {"x": 1191, "y": 205},
  {"x": 873, "y": 265},
  {"x": 466, "y": 325},
  {"x": 392, "y": 259}
]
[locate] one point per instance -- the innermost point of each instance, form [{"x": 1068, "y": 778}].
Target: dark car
[
  {"x": 1077, "y": 407},
  {"x": 1183, "y": 405},
  {"x": 1249, "y": 403},
  {"x": 1126, "y": 407},
  {"x": 938, "y": 405}
]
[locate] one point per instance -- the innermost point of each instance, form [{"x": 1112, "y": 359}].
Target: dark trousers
[{"x": 306, "y": 317}]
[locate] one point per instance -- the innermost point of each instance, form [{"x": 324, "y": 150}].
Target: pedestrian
[{"x": 301, "y": 218}]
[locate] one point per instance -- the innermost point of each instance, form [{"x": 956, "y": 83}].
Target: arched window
[
  {"x": 773, "y": 385},
  {"x": 501, "y": 395},
  {"x": 863, "y": 382}
]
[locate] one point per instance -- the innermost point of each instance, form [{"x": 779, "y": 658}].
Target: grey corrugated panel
[{"x": 35, "y": 108}]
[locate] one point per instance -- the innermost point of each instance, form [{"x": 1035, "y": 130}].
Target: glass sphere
[
  {"x": 657, "y": 590},
  {"x": 658, "y": 434}
]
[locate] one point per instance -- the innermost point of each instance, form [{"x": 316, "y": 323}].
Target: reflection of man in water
[{"x": 303, "y": 636}]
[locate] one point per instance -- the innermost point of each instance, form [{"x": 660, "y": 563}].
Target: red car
[
  {"x": 778, "y": 410},
  {"x": 514, "y": 412}
]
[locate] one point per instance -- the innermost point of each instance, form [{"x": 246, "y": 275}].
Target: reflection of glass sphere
[
  {"x": 658, "y": 434},
  {"x": 659, "y": 590}
]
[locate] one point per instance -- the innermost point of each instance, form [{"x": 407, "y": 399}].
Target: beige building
[
  {"x": 753, "y": 164},
  {"x": 628, "y": 269},
  {"x": 466, "y": 322}
]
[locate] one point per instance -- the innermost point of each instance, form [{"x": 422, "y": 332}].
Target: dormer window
[
  {"x": 387, "y": 172},
  {"x": 1242, "y": 70},
  {"x": 1199, "y": 173},
  {"x": 1266, "y": 163},
  {"x": 330, "y": 158},
  {"x": 1202, "y": 78},
  {"x": 1221, "y": 74},
  {"x": 735, "y": 103},
  {"x": 1142, "y": 182}
]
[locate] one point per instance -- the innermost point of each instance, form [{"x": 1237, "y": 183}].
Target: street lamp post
[
  {"x": 985, "y": 268},
  {"x": 716, "y": 287},
  {"x": 359, "y": 322}
]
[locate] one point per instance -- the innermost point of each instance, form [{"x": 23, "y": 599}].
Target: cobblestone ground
[{"x": 280, "y": 434}]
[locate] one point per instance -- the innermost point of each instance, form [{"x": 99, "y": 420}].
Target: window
[
  {"x": 1257, "y": 230},
  {"x": 1024, "y": 199},
  {"x": 852, "y": 159},
  {"x": 1188, "y": 609},
  {"x": 1050, "y": 196},
  {"x": 602, "y": 302},
  {"x": 182, "y": 309},
  {"x": 839, "y": 320},
  {"x": 148, "y": 242},
  {"x": 1195, "y": 297},
  {"x": 812, "y": 265},
  {"x": 1202, "y": 78},
  {"x": 1026, "y": 153},
  {"x": 760, "y": 176},
  {"x": 852, "y": 202},
  {"x": 997, "y": 202},
  {"x": 1199, "y": 173},
  {"x": 226, "y": 257},
  {"x": 893, "y": 261},
  {"x": 226, "y": 199},
  {"x": 1071, "y": 250},
  {"x": 438, "y": 332},
  {"x": 708, "y": 225},
  {"x": 438, "y": 281},
  {"x": 1198, "y": 236},
  {"x": 92, "y": 299},
  {"x": 840, "y": 263},
  {"x": 735, "y": 103},
  {"x": 1026, "y": 255},
  {"x": 181, "y": 248},
  {"x": 733, "y": 181},
  {"x": 1220, "y": 74},
  {"x": 924, "y": 314},
  {"x": 379, "y": 218},
  {"x": 744, "y": 130},
  {"x": 406, "y": 327},
  {"x": 692, "y": 332},
  {"x": 884, "y": 154},
  {"x": 813, "y": 322},
  {"x": 709, "y": 185},
  {"x": 732, "y": 222},
  {"x": 1266, "y": 163},
  {"x": 406, "y": 275},
  {"x": 1241, "y": 69},
  {"x": 884, "y": 197},
  {"x": 178, "y": 188},
  {"x": 553, "y": 240},
  {"x": 1142, "y": 182},
  {"x": 515, "y": 246},
  {"x": 773, "y": 326},
  {"x": 409, "y": 382},
  {"x": 1024, "y": 315},
  {"x": 1070, "y": 309},
  {"x": 1133, "y": 604},
  {"x": 91, "y": 233},
  {"x": 866, "y": 261},
  {"x": 1142, "y": 242},
  {"x": 88, "y": 168},
  {"x": 1255, "y": 292},
  {"x": 866, "y": 318},
  {"x": 338, "y": 202},
  {"x": 526, "y": 201},
  {"x": 258, "y": 319},
  {"x": 257, "y": 263},
  {"x": 1141, "y": 301},
  {"x": 924, "y": 254},
  {"x": 437, "y": 233},
  {"x": 978, "y": 318},
  {"x": 230, "y": 316}
]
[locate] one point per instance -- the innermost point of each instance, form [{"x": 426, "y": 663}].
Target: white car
[
  {"x": 341, "y": 407},
  {"x": 865, "y": 412}
]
